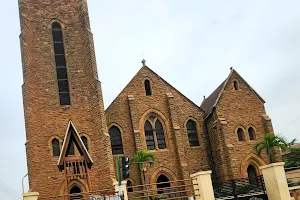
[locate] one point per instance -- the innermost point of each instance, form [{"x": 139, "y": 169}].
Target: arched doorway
[
  {"x": 75, "y": 190},
  {"x": 252, "y": 176},
  {"x": 162, "y": 182}
]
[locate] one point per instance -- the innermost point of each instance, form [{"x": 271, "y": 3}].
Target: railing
[
  {"x": 179, "y": 189},
  {"x": 76, "y": 169},
  {"x": 95, "y": 195},
  {"x": 243, "y": 188}
]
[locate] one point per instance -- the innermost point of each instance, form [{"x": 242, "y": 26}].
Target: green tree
[
  {"x": 142, "y": 157},
  {"x": 270, "y": 141},
  {"x": 292, "y": 158}
]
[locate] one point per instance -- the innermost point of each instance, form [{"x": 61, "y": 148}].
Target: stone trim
[{"x": 272, "y": 165}]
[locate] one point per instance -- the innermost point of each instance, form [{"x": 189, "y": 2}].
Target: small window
[
  {"x": 116, "y": 140},
  {"x": 192, "y": 133},
  {"x": 85, "y": 142},
  {"x": 55, "y": 147},
  {"x": 148, "y": 87},
  {"x": 240, "y": 134},
  {"x": 235, "y": 85},
  {"x": 251, "y": 133},
  {"x": 129, "y": 186}
]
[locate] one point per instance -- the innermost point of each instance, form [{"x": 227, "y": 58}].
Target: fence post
[
  {"x": 275, "y": 181},
  {"x": 203, "y": 185},
  {"x": 234, "y": 192},
  {"x": 31, "y": 196},
  {"x": 124, "y": 188}
]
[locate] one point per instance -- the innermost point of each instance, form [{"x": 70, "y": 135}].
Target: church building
[{"x": 72, "y": 141}]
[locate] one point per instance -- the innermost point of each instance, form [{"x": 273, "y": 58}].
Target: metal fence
[
  {"x": 179, "y": 189},
  {"x": 241, "y": 189},
  {"x": 95, "y": 195}
]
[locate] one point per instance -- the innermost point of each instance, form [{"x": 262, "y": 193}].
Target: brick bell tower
[{"x": 68, "y": 147}]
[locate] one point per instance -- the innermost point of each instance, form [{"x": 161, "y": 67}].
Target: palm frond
[{"x": 260, "y": 144}]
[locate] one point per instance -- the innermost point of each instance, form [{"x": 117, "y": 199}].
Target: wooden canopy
[{"x": 73, "y": 136}]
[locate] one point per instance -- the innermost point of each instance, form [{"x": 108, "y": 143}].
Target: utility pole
[{"x": 119, "y": 177}]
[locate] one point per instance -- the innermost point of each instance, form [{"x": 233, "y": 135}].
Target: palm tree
[
  {"x": 270, "y": 141},
  {"x": 142, "y": 157}
]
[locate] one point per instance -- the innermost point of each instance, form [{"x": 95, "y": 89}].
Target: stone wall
[
  {"x": 45, "y": 119},
  {"x": 132, "y": 108}
]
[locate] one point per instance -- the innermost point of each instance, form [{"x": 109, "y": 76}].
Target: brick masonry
[{"x": 45, "y": 119}]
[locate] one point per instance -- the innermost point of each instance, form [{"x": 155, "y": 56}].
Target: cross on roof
[{"x": 144, "y": 62}]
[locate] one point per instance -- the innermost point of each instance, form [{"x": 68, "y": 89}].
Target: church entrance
[
  {"x": 162, "y": 182},
  {"x": 252, "y": 176},
  {"x": 75, "y": 190}
]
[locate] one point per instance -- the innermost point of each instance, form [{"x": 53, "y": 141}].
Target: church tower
[{"x": 67, "y": 144}]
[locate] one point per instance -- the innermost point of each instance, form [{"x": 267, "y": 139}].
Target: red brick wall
[{"x": 44, "y": 117}]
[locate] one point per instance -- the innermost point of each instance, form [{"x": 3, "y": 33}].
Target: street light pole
[{"x": 23, "y": 182}]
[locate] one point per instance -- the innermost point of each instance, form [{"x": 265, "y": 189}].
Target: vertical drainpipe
[{"x": 209, "y": 152}]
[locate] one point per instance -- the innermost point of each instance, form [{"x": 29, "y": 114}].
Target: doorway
[
  {"x": 163, "y": 182},
  {"x": 75, "y": 190},
  {"x": 252, "y": 176}
]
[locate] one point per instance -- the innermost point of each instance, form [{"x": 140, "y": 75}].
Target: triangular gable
[
  {"x": 146, "y": 67},
  {"x": 73, "y": 136},
  {"x": 209, "y": 103}
]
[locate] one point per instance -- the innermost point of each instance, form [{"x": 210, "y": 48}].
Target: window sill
[
  {"x": 195, "y": 147},
  {"x": 159, "y": 150},
  {"x": 121, "y": 155}
]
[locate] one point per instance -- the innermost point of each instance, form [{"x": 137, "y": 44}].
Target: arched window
[
  {"x": 235, "y": 85},
  {"x": 154, "y": 133},
  {"x": 129, "y": 186},
  {"x": 252, "y": 176},
  {"x": 240, "y": 134},
  {"x": 85, "y": 142},
  {"x": 251, "y": 133},
  {"x": 148, "y": 87},
  {"x": 116, "y": 140},
  {"x": 162, "y": 183},
  {"x": 160, "y": 136},
  {"x": 192, "y": 133},
  {"x": 55, "y": 147},
  {"x": 61, "y": 66},
  {"x": 149, "y": 136}
]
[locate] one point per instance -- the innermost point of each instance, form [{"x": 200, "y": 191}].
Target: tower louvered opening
[{"x": 61, "y": 67}]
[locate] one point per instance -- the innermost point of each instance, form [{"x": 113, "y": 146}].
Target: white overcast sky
[{"x": 192, "y": 44}]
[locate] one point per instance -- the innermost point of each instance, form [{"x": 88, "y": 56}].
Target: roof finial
[
  {"x": 144, "y": 62},
  {"x": 204, "y": 97},
  {"x": 231, "y": 68}
]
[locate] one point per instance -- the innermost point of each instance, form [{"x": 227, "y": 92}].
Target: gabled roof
[
  {"x": 209, "y": 103},
  {"x": 73, "y": 136},
  {"x": 163, "y": 80}
]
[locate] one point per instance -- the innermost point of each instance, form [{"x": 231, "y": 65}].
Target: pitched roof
[
  {"x": 163, "y": 80},
  {"x": 209, "y": 103},
  {"x": 70, "y": 136}
]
